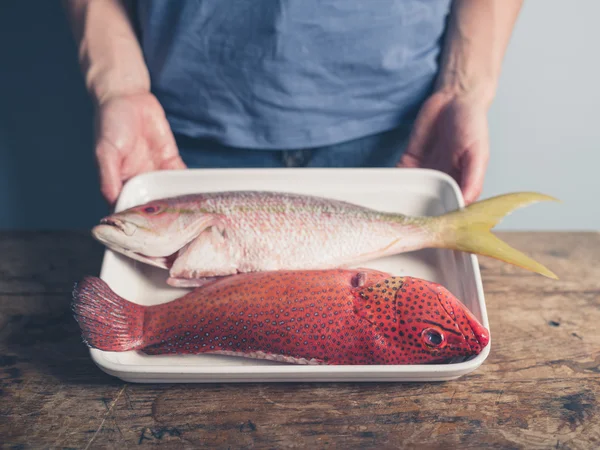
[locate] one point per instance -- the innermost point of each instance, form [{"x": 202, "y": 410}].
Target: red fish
[{"x": 303, "y": 317}]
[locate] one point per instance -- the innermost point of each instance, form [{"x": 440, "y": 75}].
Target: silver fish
[{"x": 203, "y": 236}]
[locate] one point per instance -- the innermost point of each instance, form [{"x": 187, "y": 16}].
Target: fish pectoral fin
[{"x": 208, "y": 255}]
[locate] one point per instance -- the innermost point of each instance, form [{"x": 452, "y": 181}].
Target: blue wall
[{"x": 47, "y": 171}]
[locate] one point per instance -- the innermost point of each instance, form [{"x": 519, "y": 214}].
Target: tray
[{"x": 409, "y": 191}]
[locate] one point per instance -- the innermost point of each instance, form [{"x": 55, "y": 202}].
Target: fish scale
[{"x": 304, "y": 317}]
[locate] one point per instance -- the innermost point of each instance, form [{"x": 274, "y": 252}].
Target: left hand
[{"x": 450, "y": 134}]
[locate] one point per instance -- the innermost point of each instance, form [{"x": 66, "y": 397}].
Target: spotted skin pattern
[{"x": 305, "y": 317}]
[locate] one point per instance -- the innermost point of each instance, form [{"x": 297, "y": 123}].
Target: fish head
[
  {"x": 421, "y": 321},
  {"x": 153, "y": 232}
]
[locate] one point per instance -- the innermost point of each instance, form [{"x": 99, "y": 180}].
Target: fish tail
[
  {"x": 468, "y": 229},
  {"x": 108, "y": 322}
]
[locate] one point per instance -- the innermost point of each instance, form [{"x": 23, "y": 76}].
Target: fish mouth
[
  {"x": 125, "y": 227},
  {"x": 111, "y": 232},
  {"x": 162, "y": 262},
  {"x": 479, "y": 333}
]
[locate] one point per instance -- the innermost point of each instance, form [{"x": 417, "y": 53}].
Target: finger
[
  {"x": 109, "y": 164},
  {"x": 473, "y": 167}
]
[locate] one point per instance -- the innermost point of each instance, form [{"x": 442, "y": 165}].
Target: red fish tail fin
[{"x": 108, "y": 322}]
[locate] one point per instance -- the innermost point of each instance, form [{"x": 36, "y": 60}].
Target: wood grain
[{"x": 539, "y": 388}]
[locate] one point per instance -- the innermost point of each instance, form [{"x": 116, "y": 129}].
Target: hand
[
  {"x": 451, "y": 135},
  {"x": 132, "y": 137}
]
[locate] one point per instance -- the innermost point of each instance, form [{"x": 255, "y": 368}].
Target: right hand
[{"x": 132, "y": 137}]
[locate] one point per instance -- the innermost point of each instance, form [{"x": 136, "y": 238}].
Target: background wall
[
  {"x": 545, "y": 121},
  {"x": 47, "y": 171},
  {"x": 545, "y": 128}
]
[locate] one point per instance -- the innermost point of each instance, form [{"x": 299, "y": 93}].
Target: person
[{"x": 284, "y": 83}]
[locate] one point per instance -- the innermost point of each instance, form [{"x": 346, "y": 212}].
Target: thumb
[
  {"x": 474, "y": 164},
  {"x": 421, "y": 134},
  {"x": 408, "y": 160},
  {"x": 169, "y": 157},
  {"x": 173, "y": 163},
  {"x": 414, "y": 150},
  {"x": 109, "y": 164}
]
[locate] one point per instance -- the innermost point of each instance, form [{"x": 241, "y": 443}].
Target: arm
[
  {"x": 109, "y": 54},
  {"x": 132, "y": 132},
  {"x": 477, "y": 38},
  {"x": 451, "y": 130}
]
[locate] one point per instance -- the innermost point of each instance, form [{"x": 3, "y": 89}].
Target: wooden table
[{"x": 539, "y": 388}]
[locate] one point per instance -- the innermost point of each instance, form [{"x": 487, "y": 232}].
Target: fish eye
[
  {"x": 152, "y": 209},
  {"x": 432, "y": 337}
]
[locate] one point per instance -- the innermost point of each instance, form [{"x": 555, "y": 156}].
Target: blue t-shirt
[{"x": 286, "y": 74}]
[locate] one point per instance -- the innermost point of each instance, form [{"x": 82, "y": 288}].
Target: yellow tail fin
[{"x": 468, "y": 229}]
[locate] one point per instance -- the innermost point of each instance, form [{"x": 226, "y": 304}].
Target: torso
[{"x": 285, "y": 74}]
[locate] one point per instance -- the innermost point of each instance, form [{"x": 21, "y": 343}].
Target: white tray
[{"x": 409, "y": 191}]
